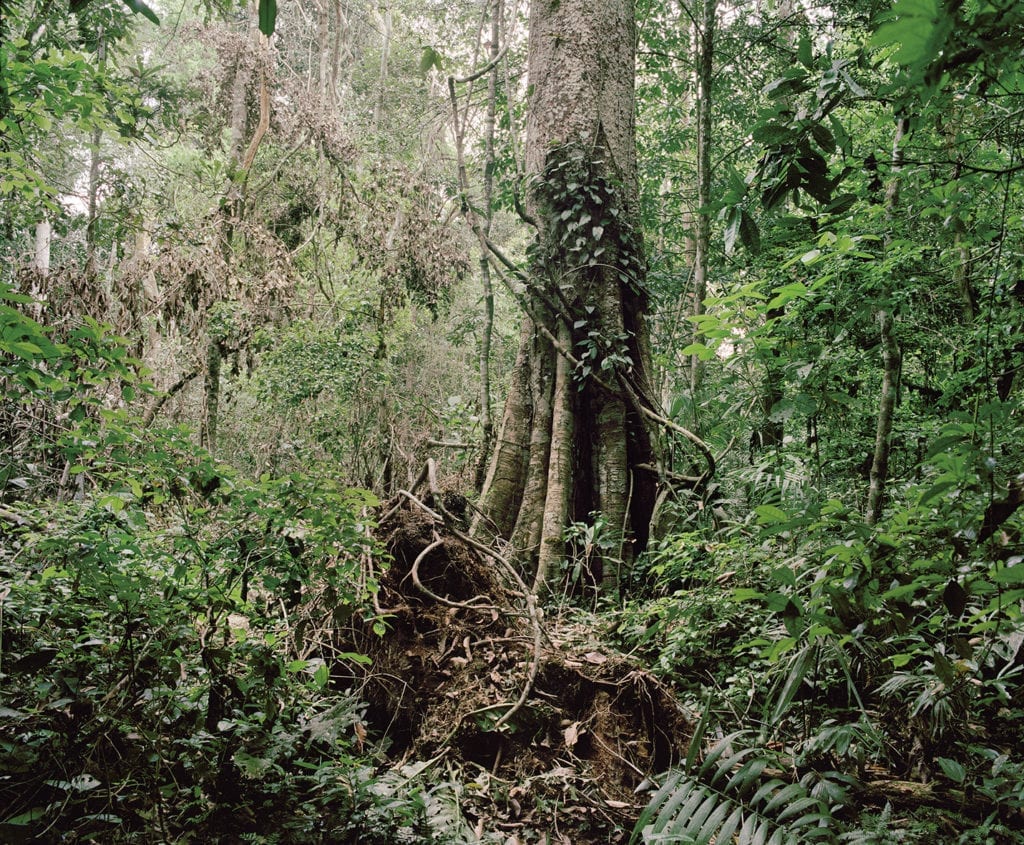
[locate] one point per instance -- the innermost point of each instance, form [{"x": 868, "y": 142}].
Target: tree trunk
[
  {"x": 41, "y": 259},
  {"x": 384, "y": 22},
  {"x": 705, "y": 74},
  {"x": 886, "y": 406},
  {"x": 486, "y": 330},
  {"x": 573, "y": 428},
  {"x": 891, "y": 357}
]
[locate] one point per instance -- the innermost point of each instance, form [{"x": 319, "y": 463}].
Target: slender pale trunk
[
  {"x": 324, "y": 45},
  {"x": 384, "y": 19},
  {"x": 486, "y": 330},
  {"x": 95, "y": 163},
  {"x": 41, "y": 255},
  {"x": 891, "y": 359},
  {"x": 702, "y": 241},
  {"x": 342, "y": 42}
]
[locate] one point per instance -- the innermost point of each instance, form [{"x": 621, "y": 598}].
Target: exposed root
[{"x": 469, "y": 670}]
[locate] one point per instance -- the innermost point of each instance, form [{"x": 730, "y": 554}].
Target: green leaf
[
  {"x": 750, "y": 234},
  {"x": 33, "y": 815},
  {"x": 732, "y": 228},
  {"x": 797, "y": 672},
  {"x": 429, "y": 58},
  {"x": 770, "y": 515},
  {"x": 704, "y": 353},
  {"x": 823, "y": 138},
  {"x": 1009, "y": 575},
  {"x": 915, "y": 26},
  {"x": 268, "y": 16},
  {"x": 952, "y": 769},
  {"x": 141, "y": 8},
  {"x": 955, "y": 598},
  {"x": 803, "y": 51}
]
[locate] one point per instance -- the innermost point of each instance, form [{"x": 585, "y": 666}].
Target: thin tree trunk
[
  {"x": 324, "y": 45},
  {"x": 385, "y": 54},
  {"x": 891, "y": 359},
  {"x": 211, "y": 390},
  {"x": 486, "y": 330},
  {"x": 705, "y": 75},
  {"x": 41, "y": 256},
  {"x": 93, "y": 219},
  {"x": 886, "y": 406}
]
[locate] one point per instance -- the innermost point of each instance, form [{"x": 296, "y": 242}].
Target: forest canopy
[{"x": 489, "y": 421}]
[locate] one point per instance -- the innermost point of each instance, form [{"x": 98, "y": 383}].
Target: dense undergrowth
[{"x": 174, "y": 665}]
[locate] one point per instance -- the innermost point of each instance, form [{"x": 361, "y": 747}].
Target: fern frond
[{"x": 724, "y": 799}]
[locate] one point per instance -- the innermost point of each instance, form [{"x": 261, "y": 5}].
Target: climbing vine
[{"x": 585, "y": 235}]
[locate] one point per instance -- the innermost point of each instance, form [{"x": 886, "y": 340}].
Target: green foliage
[
  {"x": 589, "y": 543},
  {"x": 163, "y": 640},
  {"x": 56, "y": 80},
  {"x": 725, "y": 797},
  {"x": 307, "y": 360},
  {"x": 267, "y": 16},
  {"x": 584, "y": 208}
]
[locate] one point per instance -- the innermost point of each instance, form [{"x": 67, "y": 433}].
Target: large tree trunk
[{"x": 573, "y": 432}]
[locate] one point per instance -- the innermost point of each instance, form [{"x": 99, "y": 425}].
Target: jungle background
[{"x": 261, "y": 294}]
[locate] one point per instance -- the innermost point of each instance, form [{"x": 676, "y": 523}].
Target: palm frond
[{"x": 726, "y": 798}]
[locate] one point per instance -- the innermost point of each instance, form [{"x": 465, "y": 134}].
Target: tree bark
[
  {"x": 41, "y": 259},
  {"x": 886, "y": 406},
  {"x": 702, "y": 242},
  {"x": 891, "y": 358},
  {"x": 573, "y": 431},
  {"x": 486, "y": 330},
  {"x": 384, "y": 21}
]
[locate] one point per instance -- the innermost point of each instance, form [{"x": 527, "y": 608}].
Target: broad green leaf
[
  {"x": 952, "y": 769},
  {"x": 268, "y": 16},
  {"x": 770, "y": 515},
  {"x": 803, "y": 51},
  {"x": 33, "y": 815},
  {"x": 913, "y": 25},
  {"x": 429, "y": 59},
  {"x": 141, "y": 8}
]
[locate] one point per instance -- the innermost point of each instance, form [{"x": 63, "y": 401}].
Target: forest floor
[{"x": 471, "y": 670}]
